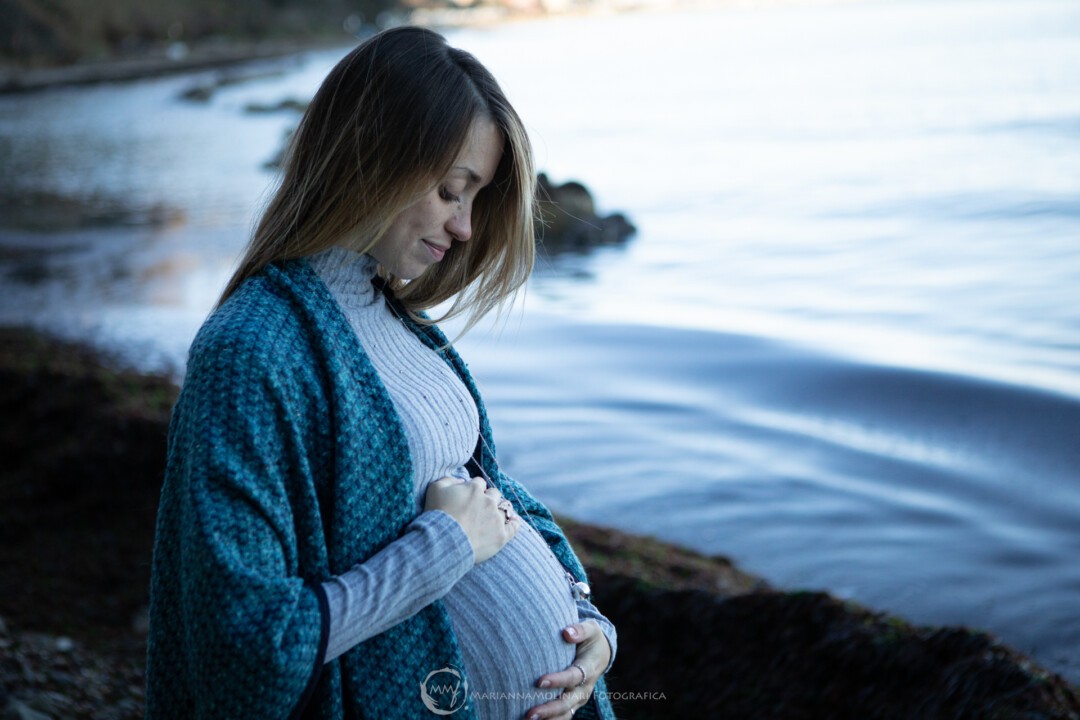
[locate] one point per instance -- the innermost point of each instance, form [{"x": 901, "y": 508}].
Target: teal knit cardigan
[{"x": 287, "y": 465}]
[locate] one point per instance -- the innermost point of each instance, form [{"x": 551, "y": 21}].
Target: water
[{"x": 843, "y": 349}]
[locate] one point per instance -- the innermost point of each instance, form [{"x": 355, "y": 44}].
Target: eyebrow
[{"x": 472, "y": 175}]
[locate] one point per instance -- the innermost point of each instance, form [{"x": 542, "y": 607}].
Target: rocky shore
[
  {"x": 166, "y": 60},
  {"x": 83, "y": 444}
]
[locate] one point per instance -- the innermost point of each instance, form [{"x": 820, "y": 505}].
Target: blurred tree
[{"x": 51, "y": 32}]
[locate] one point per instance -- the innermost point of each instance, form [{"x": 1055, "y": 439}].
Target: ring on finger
[{"x": 584, "y": 676}]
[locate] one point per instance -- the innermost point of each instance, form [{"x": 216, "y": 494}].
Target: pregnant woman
[{"x": 335, "y": 537}]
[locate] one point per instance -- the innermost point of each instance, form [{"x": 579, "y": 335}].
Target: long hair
[{"x": 386, "y": 123}]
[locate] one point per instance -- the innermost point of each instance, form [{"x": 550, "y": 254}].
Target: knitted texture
[{"x": 288, "y": 464}]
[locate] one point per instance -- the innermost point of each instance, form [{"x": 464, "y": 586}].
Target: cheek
[
  {"x": 428, "y": 217},
  {"x": 407, "y": 225},
  {"x": 419, "y": 221}
]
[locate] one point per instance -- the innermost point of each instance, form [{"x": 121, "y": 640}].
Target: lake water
[{"x": 844, "y": 347}]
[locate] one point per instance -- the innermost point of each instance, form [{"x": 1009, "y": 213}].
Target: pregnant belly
[{"x": 508, "y": 613}]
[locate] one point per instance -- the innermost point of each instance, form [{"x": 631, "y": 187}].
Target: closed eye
[{"x": 448, "y": 196}]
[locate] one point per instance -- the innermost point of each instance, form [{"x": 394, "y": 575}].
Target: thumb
[{"x": 574, "y": 633}]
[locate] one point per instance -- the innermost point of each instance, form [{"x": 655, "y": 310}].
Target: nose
[{"x": 460, "y": 225}]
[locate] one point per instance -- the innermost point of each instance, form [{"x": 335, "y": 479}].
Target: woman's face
[{"x": 424, "y": 231}]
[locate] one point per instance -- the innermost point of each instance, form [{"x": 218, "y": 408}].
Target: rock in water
[{"x": 569, "y": 221}]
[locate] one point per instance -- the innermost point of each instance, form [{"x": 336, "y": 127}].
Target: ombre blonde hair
[{"x": 387, "y": 123}]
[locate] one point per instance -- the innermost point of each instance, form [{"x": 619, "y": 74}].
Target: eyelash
[{"x": 448, "y": 196}]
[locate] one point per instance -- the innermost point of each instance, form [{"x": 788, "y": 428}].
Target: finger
[
  {"x": 593, "y": 648},
  {"x": 446, "y": 481},
  {"x": 580, "y": 632},
  {"x": 561, "y": 708},
  {"x": 574, "y": 633},
  {"x": 569, "y": 678}
]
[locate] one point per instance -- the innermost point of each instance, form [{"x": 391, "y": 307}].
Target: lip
[{"x": 436, "y": 251}]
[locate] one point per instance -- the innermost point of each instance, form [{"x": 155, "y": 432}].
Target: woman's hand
[
  {"x": 487, "y": 518},
  {"x": 593, "y": 655}
]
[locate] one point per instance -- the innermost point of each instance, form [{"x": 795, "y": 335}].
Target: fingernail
[
  {"x": 572, "y": 632},
  {"x": 534, "y": 716},
  {"x": 543, "y": 683}
]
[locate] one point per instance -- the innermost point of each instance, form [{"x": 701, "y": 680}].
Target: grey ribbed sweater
[{"x": 508, "y": 611}]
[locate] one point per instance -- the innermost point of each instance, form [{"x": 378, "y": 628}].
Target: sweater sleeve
[{"x": 398, "y": 581}]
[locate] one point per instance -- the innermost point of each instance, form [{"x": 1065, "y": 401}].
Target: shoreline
[
  {"x": 203, "y": 57},
  {"x": 86, "y": 443},
  {"x": 178, "y": 57}
]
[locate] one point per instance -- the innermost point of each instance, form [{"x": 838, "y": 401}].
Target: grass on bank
[{"x": 40, "y": 33}]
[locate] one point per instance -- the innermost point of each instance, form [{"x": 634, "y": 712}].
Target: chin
[{"x": 412, "y": 272}]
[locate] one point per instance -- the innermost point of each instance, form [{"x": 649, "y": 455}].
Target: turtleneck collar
[{"x": 348, "y": 274}]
